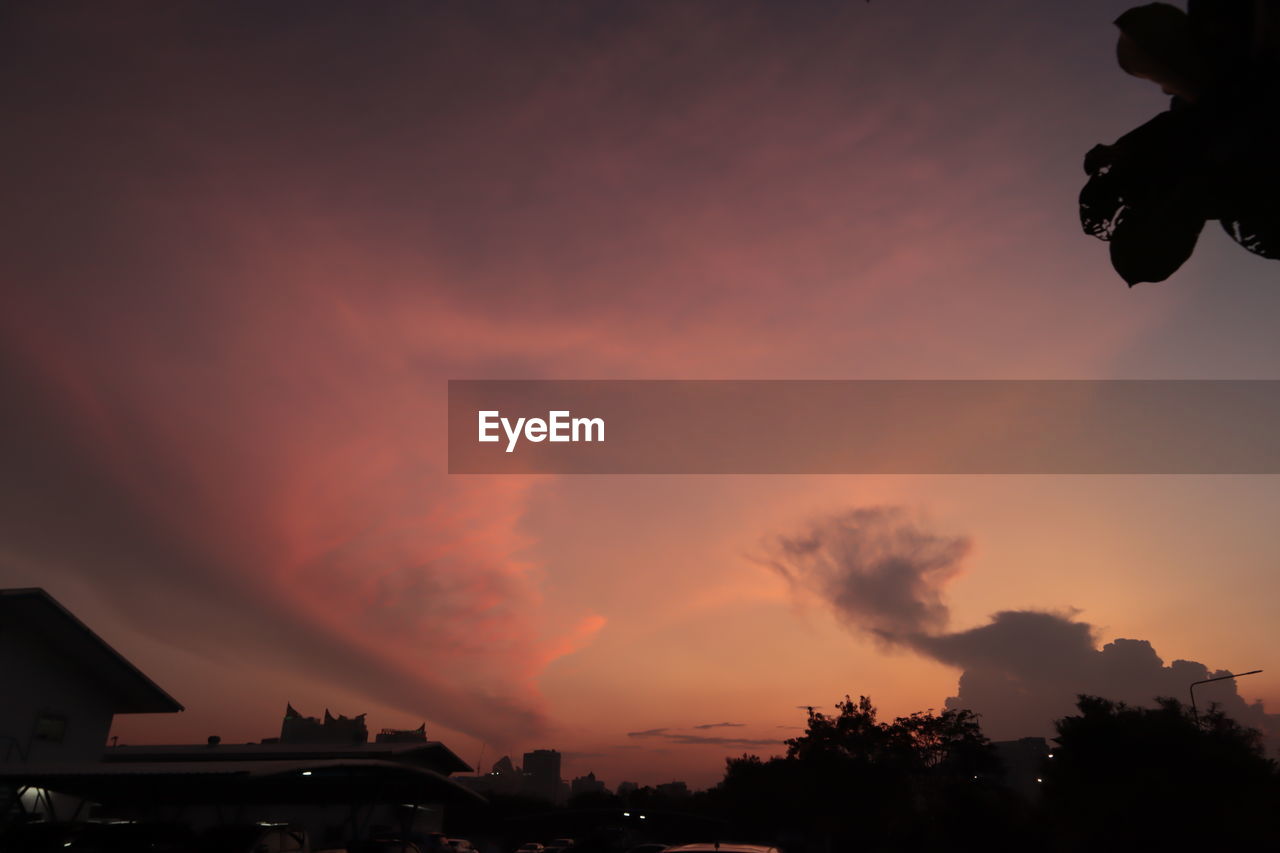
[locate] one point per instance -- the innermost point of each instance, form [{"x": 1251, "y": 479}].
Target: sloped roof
[
  {"x": 431, "y": 754},
  {"x": 38, "y": 614}
]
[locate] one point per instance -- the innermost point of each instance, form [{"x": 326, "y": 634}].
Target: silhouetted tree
[
  {"x": 853, "y": 734},
  {"x": 1212, "y": 155},
  {"x": 851, "y": 781},
  {"x": 1126, "y": 778},
  {"x": 946, "y": 744}
]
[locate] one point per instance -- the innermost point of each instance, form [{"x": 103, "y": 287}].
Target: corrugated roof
[
  {"x": 213, "y": 768},
  {"x": 181, "y": 781}
]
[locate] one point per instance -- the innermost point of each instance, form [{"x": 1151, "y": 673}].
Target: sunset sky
[{"x": 247, "y": 244}]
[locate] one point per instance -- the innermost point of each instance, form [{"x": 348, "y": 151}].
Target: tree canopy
[
  {"x": 1136, "y": 778},
  {"x": 855, "y": 781}
]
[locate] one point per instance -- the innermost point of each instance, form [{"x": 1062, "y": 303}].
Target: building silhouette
[
  {"x": 296, "y": 728},
  {"x": 673, "y": 789},
  {"x": 1023, "y": 761},
  {"x": 418, "y": 735},
  {"x": 542, "y": 774},
  {"x": 62, "y": 686},
  {"x": 588, "y": 784}
]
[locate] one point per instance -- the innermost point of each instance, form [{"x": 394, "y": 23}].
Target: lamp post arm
[{"x": 1194, "y": 713}]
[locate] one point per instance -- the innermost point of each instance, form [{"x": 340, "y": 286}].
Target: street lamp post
[{"x": 1195, "y": 713}]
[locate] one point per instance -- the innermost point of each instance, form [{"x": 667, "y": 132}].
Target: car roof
[{"x": 713, "y": 847}]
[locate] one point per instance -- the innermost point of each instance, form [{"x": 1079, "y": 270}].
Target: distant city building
[
  {"x": 299, "y": 729},
  {"x": 503, "y": 778},
  {"x": 418, "y": 735},
  {"x": 625, "y": 789},
  {"x": 673, "y": 789},
  {"x": 588, "y": 784},
  {"x": 542, "y": 774},
  {"x": 1023, "y": 761}
]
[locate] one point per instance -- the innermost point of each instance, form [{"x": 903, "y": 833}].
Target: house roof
[
  {"x": 432, "y": 755},
  {"x": 35, "y": 612}
]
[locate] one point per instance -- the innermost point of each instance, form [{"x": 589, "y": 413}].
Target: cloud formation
[
  {"x": 879, "y": 569},
  {"x": 885, "y": 576},
  {"x": 246, "y": 248}
]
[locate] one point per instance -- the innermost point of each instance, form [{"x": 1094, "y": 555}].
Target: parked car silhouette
[
  {"x": 722, "y": 847},
  {"x": 255, "y": 838},
  {"x": 650, "y": 847},
  {"x": 384, "y": 845}
]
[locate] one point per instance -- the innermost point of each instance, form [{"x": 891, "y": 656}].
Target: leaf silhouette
[
  {"x": 1152, "y": 242},
  {"x": 1214, "y": 154}
]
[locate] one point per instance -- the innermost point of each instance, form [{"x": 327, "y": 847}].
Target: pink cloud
[{"x": 249, "y": 253}]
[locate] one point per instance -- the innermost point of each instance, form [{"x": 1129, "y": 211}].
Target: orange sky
[{"x": 248, "y": 248}]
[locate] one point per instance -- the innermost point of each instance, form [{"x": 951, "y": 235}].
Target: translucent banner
[{"x": 864, "y": 427}]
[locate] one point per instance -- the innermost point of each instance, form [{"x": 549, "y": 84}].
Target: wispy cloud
[
  {"x": 648, "y": 733},
  {"x": 720, "y": 741},
  {"x": 685, "y": 739}
]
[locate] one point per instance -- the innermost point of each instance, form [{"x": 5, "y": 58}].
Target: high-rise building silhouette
[
  {"x": 542, "y": 773},
  {"x": 588, "y": 784}
]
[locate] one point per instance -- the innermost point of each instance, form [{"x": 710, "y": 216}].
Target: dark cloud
[
  {"x": 878, "y": 569},
  {"x": 884, "y": 576},
  {"x": 1028, "y": 666},
  {"x": 720, "y": 726},
  {"x": 684, "y": 739},
  {"x": 703, "y": 740}
]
